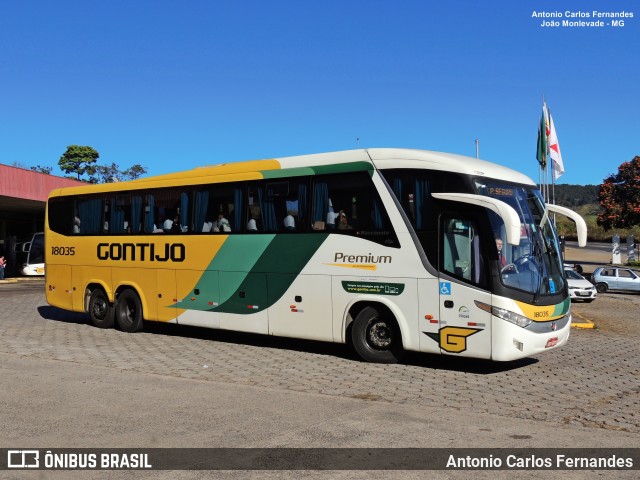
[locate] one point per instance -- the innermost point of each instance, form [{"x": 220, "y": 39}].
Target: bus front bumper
[{"x": 511, "y": 342}]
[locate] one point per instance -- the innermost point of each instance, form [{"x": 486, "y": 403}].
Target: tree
[
  {"x": 619, "y": 197},
  {"x": 107, "y": 174},
  {"x": 134, "y": 172},
  {"x": 79, "y": 160},
  {"x": 41, "y": 169}
]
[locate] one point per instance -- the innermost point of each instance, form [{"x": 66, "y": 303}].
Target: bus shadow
[
  {"x": 253, "y": 339},
  {"x": 59, "y": 315},
  {"x": 337, "y": 350},
  {"x": 475, "y": 366}
]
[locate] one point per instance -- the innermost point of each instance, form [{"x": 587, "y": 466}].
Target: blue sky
[{"x": 176, "y": 84}]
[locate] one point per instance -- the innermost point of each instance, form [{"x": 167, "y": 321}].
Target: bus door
[{"x": 465, "y": 328}]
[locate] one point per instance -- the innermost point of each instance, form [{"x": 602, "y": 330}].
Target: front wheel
[
  {"x": 129, "y": 311},
  {"x": 376, "y": 336},
  {"x": 602, "y": 287},
  {"x": 100, "y": 309}
]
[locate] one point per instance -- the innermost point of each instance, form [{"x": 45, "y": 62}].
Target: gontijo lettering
[{"x": 169, "y": 252}]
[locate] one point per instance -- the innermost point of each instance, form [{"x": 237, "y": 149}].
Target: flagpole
[
  {"x": 553, "y": 177},
  {"x": 545, "y": 152}
]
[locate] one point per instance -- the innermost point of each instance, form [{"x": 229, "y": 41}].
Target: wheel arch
[
  {"x": 136, "y": 289},
  {"x": 93, "y": 285},
  {"x": 358, "y": 304}
]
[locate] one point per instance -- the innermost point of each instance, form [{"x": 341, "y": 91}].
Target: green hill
[{"x": 584, "y": 200}]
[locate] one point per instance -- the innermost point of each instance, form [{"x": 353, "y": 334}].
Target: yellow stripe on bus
[{"x": 543, "y": 313}]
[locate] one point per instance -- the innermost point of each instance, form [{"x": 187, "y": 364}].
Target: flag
[
  {"x": 554, "y": 150},
  {"x": 543, "y": 136}
]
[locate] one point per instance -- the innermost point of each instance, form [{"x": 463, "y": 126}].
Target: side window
[
  {"x": 225, "y": 211},
  {"x": 278, "y": 205},
  {"x": 171, "y": 210},
  {"x": 89, "y": 219},
  {"x": 62, "y": 216},
  {"x": 625, "y": 274},
  {"x": 118, "y": 214},
  {"x": 460, "y": 250},
  {"x": 349, "y": 204}
]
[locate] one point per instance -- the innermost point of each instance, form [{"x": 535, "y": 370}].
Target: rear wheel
[
  {"x": 602, "y": 287},
  {"x": 128, "y": 311},
  {"x": 100, "y": 309},
  {"x": 376, "y": 337}
]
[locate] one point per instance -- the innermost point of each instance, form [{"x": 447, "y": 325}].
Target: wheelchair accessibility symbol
[{"x": 445, "y": 288}]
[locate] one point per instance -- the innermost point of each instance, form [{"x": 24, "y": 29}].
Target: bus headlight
[{"x": 512, "y": 317}]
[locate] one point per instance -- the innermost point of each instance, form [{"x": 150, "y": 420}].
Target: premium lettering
[
  {"x": 169, "y": 252},
  {"x": 346, "y": 258}
]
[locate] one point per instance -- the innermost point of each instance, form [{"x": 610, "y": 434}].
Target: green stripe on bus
[
  {"x": 318, "y": 170},
  {"x": 252, "y": 272},
  {"x": 237, "y": 256},
  {"x": 287, "y": 172},
  {"x": 562, "y": 308},
  {"x": 343, "y": 167},
  {"x": 273, "y": 273}
]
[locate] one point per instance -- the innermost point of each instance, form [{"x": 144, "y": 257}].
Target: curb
[
  {"x": 22, "y": 280},
  {"x": 582, "y": 323}
]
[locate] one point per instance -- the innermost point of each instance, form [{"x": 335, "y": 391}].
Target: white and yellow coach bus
[{"x": 388, "y": 249}]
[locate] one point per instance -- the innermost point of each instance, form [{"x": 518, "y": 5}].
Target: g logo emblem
[{"x": 453, "y": 339}]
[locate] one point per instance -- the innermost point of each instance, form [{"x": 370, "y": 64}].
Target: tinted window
[{"x": 349, "y": 204}]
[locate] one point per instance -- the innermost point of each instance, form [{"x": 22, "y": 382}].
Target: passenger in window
[
  {"x": 76, "y": 225},
  {"x": 331, "y": 217},
  {"x": 207, "y": 226},
  {"x": 343, "y": 223},
  {"x": 167, "y": 225},
  {"x": 175, "y": 225},
  {"x": 289, "y": 223},
  {"x": 223, "y": 223}
]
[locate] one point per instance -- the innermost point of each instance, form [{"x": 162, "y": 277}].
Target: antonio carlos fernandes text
[{"x": 532, "y": 461}]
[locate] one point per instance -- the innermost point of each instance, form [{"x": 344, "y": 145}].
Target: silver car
[
  {"x": 580, "y": 289},
  {"x": 616, "y": 278}
]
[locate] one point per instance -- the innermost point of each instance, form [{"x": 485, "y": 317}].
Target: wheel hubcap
[
  {"x": 99, "y": 309},
  {"x": 380, "y": 335}
]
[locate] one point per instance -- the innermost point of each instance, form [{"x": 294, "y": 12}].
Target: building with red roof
[{"x": 23, "y": 196}]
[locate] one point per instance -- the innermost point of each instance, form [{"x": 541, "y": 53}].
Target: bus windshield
[{"x": 535, "y": 265}]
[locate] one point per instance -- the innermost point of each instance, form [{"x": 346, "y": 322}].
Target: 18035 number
[{"x": 63, "y": 251}]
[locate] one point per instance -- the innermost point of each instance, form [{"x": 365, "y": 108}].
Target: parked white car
[{"x": 580, "y": 289}]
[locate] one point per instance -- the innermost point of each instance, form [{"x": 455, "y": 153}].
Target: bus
[
  {"x": 389, "y": 250},
  {"x": 30, "y": 255}
]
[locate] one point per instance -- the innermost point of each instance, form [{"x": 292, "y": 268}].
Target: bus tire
[
  {"x": 128, "y": 311},
  {"x": 100, "y": 309},
  {"x": 602, "y": 287},
  {"x": 376, "y": 337}
]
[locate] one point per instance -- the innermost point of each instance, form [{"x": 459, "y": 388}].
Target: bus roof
[{"x": 380, "y": 158}]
